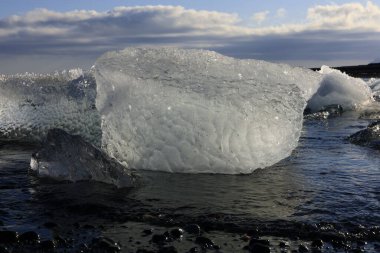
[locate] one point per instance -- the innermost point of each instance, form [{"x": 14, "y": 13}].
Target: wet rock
[
  {"x": 147, "y": 232},
  {"x": 176, "y": 233},
  {"x": 259, "y": 241},
  {"x": 144, "y": 251},
  {"x": 60, "y": 241},
  {"x": 245, "y": 238},
  {"x": 259, "y": 248},
  {"x": 170, "y": 249},
  {"x": 369, "y": 137},
  {"x": 105, "y": 245},
  {"x": 317, "y": 243},
  {"x": 194, "y": 250},
  {"x": 283, "y": 244},
  {"x": 50, "y": 225},
  {"x": 302, "y": 248},
  {"x": 29, "y": 237},
  {"x": 361, "y": 243},
  {"x": 204, "y": 242},
  {"x": 47, "y": 246},
  {"x": 159, "y": 239},
  {"x": 357, "y": 250},
  {"x": 194, "y": 229},
  {"x": 8, "y": 237},
  {"x": 4, "y": 249}
]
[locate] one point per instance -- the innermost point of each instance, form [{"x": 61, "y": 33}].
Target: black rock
[
  {"x": 259, "y": 248},
  {"x": 194, "y": 229},
  {"x": 29, "y": 237},
  {"x": 369, "y": 137},
  {"x": 50, "y": 225},
  {"x": 204, "y": 242},
  {"x": 176, "y": 233},
  {"x": 47, "y": 246},
  {"x": 147, "y": 231},
  {"x": 259, "y": 241},
  {"x": 159, "y": 239},
  {"x": 4, "y": 249},
  {"x": 60, "y": 241},
  {"x": 283, "y": 244},
  {"x": 317, "y": 243},
  {"x": 8, "y": 237},
  {"x": 194, "y": 250},
  {"x": 144, "y": 251},
  {"x": 105, "y": 245},
  {"x": 170, "y": 249},
  {"x": 302, "y": 248},
  {"x": 1, "y": 223}
]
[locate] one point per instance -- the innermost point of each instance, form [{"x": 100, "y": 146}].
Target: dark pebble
[
  {"x": 47, "y": 245},
  {"x": 159, "y": 239},
  {"x": 176, "y": 233},
  {"x": 144, "y": 251},
  {"x": 8, "y": 237},
  {"x": 170, "y": 249},
  {"x": 60, "y": 241},
  {"x": 87, "y": 226},
  {"x": 317, "y": 243},
  {"x": 259, "y": 248},
  {"x": 357, "y": 250},
  {"x": 204, "y": 242},
  {"x": 30, "y": 237},
  {"x": 283, "y": 244},
  {"x": 194, "y": 250},
  {"x": 254, "y": 241},
  {"x": 3, "y": 250},
  {"x": 50, "y": 225},
  {"x": 194, "y": 229},
  {"x": 361, "y": 243},
  {"x": 302, "y": 248},
  {"x": 105, "y": 245},
  {"x": 147, "y": 231}
]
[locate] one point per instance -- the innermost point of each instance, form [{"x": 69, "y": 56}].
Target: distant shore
[{"x": 361, "y": 71}]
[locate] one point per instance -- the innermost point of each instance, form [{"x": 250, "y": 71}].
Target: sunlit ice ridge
[{"x": 177, "y": 110}]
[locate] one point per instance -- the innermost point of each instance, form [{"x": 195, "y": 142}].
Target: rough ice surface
[
  {"x": 69, "y": 157},
  {"x": 339, "y": 88},
  {"x": 31, "y": 104},
  {"x": 197, "y": 111}
]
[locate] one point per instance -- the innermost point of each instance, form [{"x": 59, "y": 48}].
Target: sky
[{"x": 45, "y": 35}]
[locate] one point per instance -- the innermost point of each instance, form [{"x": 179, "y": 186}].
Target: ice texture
[
  {"x": 339, "y": 88},
  {"x": 31, "y": 104},
  {"x": 69, "y": 157},
  {"x": 197, "y": 111}
]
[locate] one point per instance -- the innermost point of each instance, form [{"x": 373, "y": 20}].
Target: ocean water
[{"x": 328, "y": 186}]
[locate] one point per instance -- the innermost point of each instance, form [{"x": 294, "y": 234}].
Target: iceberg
[
  {"x": 197, "y": 111},
  {"x": 339, "y": 88}
]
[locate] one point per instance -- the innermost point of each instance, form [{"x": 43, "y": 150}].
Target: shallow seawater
[{"x": 327, "y": 189}]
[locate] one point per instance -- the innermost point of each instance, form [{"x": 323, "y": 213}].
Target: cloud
[
  {"x": 281, "y": 13},
  {"x": 260, "y": 17},
  {"x": 329, "y": 33}
]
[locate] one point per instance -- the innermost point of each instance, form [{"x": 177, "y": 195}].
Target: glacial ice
[
  {"x": 69, "y": 157},
  {"x": 31, "y": 104},
  {"x": 198, "y": 111},
  {"x": 339, "y": 88}
]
